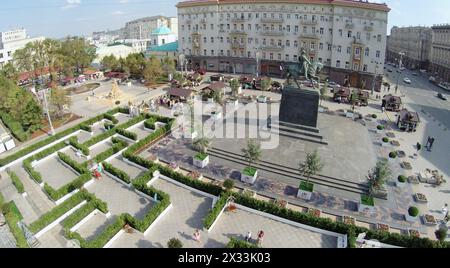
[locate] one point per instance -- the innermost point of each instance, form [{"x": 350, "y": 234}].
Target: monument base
[{"x": 299, "y": 132}]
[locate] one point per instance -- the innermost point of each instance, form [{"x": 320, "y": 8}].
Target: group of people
[
  {"x": 97, "y": 170},
  {"x": 259, "y": 239}
]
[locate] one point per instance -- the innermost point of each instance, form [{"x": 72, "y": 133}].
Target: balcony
[
  {"x": 221, "y": 30},
  {"x": 238, "y": 32},
  {"x": 349, "y": 25},
  {"x": 237, "y": 45},
  {"x": 272, "y": 47},
  {"x": 309, "y": 36},
  {"x": 272, "y": 33},
  {"x": 240, "y": 19},
  {"x": 272, "y": 20},
  {"x": 309, "y": 22},
  {"x": 368, "y": 28}
]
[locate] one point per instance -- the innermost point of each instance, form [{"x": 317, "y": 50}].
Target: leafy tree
[
  {"x": 110, "y": 63},
  {"x": 59, "y": 98},
  {"x": 252, "y": 153},
  {"x": 379, "y": 175},
  {"x": 234, "y": 84},
  {"x": 354, "y": 98},
  {"x": 202, "y": 145},
  {"x": 265, "y": 84},
  {"x": 228, "y": 184},
  {"x": 152, "y": 70},
  {"x": 135, "y": 63},
  {"x": 10, "y": 72},
  {"x": 174, "y": 243},
  {"x": 168, "y": 65},
  {"x": 78, "y": 52},
  {"x": 311, "y": 166}
]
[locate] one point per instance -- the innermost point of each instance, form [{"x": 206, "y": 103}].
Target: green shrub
[
  {"x": 214, "y": 212},
  {"x": 393, "y": 155},
  {"x": 117, "y": 172},
  {"x": 73, "y": 141},
  {"x": 374, "y": 116},
  {"x": 228, "y": 184},
  {"x": 12, "y": 217},
  {"x": 402, "y": 178},
  {"x": 236, "y": 243},
  {"x": 441, "y": 234},
  {"x": 117, "y": 147},
  {"x": 68, "y": 188},
  {"x": 111, "y": 118},
  {"x": 150, "y": 123},
  {"x": 17, "y": 182},
  {"x": 306, "y": 186},
  {"x": 36, "y": 176},
  {"x": 367, "y": 200},
  {"x": 80, "y": 168},
  {"x": 100, "y": 137},
  {"x": 413, "y": 211},
  {"x": 15, "y": 127},
  {"x": 86, "y": 127},
  {"x": 174, "y": 243},
  {"x": 58, "y": 211},
  {"x": 109, "y": 126},
  {"x": 385, "y": 140},
  {"x": 84, "y": 211},
  {"x": 128, "y": 134},
  {"x": 380, "y": 127}
]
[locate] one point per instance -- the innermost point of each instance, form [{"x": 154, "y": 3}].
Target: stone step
[
  {"x": 295, "y": 134},
  {"x": 296, "y": 126},
  {"x": 292, "y": 173},
  {"x": 300, "y": 132}
]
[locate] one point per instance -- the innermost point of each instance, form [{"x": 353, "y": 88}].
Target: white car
[
  {"x": 402, "y": 68},
  {"x": 407, "y": 81}
]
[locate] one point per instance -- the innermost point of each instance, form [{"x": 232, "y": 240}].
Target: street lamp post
[
  {"x": 399, "y": 67},
  {"x": 48, "y": 112},
  {"x": 374, "y": 76}
]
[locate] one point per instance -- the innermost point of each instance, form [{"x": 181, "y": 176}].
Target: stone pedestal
[{"x": 299, "y": 106}]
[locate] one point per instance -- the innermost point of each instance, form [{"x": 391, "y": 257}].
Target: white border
[{"x": 114, "y": 238}]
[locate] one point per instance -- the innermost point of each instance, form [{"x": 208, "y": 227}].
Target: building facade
[
  {"x": 257, "y": 36},
  {"x": 440, "y": 52},
  {"x": 143, "y": 28},
  {"x": 10, "y": 41},
  {"x": 414, "y": 42}
]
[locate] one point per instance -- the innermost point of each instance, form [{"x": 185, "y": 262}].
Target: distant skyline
[{"x": 59, "y": 18}]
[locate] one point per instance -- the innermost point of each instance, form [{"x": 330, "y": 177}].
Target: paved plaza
[
  {"x": 140, "y": 131},
  {"x": 55, "y": 173},
  {"x": 132, "y": 170}
]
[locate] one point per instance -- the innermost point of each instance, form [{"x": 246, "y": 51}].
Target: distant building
[
  {"x": 144, "y": 27},
  {"x": 10, "y": 41},
  {"x": 168, "y": 50},
  {"x": 440, "y": 52},
  {"x": 6, "y": 141},
  {"x": 415, "y": 42},
  {"x": 162, "y": 35},
  {"x": 119, "y": 51},
  {"x": 138, "y": 45}
]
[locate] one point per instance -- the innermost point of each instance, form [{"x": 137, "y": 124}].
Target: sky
[{"x": 59, "y": 18}]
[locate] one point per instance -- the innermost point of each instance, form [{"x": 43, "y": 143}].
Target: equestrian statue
[{"x": 310, "y": 70}]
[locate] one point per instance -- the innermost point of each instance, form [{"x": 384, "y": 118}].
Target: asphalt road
[{"x": 422, "y": 93}]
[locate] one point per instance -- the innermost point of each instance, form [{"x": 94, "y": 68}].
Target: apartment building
[
  {"x": 440, "y": 52},
  {"x": 10, "y": 41}
]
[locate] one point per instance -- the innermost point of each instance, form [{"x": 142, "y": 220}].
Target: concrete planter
[
  {"x": 201, "y": 163},
  {"x": 379, "y": 131},
  {"x": 411, "y": 219},
  {"x": 249, "y": 179},
  {"x": 349, "y": 115},
  {"x": 304, "y": 194},
  {"x": 365, "y": 208},
  {"x": 400, "y": 184}
]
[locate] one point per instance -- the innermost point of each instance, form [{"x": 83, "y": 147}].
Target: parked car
[
  {"x": 407, "y": 80},
  {"x": 389, "y": 70},
  {"x": 423, "y": 71},
  {"x": 402, "y": 68},
  {"x": 444, "y": 85},
  {"x": 415, "y": 74},
  {"x": 442, "y": 96}
]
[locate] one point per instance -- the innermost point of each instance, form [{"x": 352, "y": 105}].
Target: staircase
[
  {"x": 327, "y": 181},
  {"x": 299, "y": 132}
]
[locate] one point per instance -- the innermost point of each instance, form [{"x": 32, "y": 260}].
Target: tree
[
  {"x": 10, "y": 72},
  {"x": 234, "y": 85},
  {"x": 110, "y": 63},
  {"x": 379, "y": 175},
  {"x": 265, "y": 84},
  {"x": 78, "y": 53},
  {"x": 168, "y": 65},
  {"x": 202, "y": 145},
  {"x": 311, "y": 166},
  {"x": 152, "y": 70},
  {"x": 354, "y": 98},
  {"x": 252, "y": 152},
  {"x": 174, "y": 243},
  {"x": 59, "y": 98},
  {"x": 228, "y": 184},
  {"x": 135, "y": 63}
]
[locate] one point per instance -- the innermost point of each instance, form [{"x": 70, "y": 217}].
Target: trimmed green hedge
[
  {"x": 68, "y": 188},
  {"x": 17, "y": 182},
  {"x": 100, "y": 137},
  {"x": 116, "y": 172},
  {"x": 36, "y": 176},
  {"x": 236, "y": 243},
  {"x": 111, "y": 118},
  {"x": 214, "y": 212},
  {"x": 86, "y": 127},
  {"x": 128, "y": 134},
  {"x": 150, "y": 123},
  {"x": 80, "y": 168},
  {"x": 83, "y": 212},
  {"x": 83, "y": 148},
  {"x": 15, "y": 127},
  {"x": 117, "y": 147},
  {"x": 12, "y": 217},
  {"x": 59, "y": 210}
]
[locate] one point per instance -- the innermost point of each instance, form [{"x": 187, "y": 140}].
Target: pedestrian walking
[
  {"x": 197, "y": 235},
  {"x": 248, "y": 237},
  {"x": 445, "y": 210},
  {"x": 418, "y": 147},
  {"x": 260, "y": 237},
  {"x": 428, "y": 142},
  {"x": 431, "y": 144}
]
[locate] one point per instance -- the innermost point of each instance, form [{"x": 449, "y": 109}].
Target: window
[
  {"x": 349, "y": 50},
  {"x": 228, "y": 26},
  {"x": 249, "y": 54},
  {"x": 305, "y": 29},
  {"x": 320, "y": 60},
  {"x": 367, "y": 51},
  {"x": 221, "y": 52},
  {"x": 296, "y": 43},
  {"x": 340, "y": 32},
  {"x": 279, "y": 56},
  {"x": 295, "y": 58},
  {"x": 271, "y": 56},
  {"x": 189, "y": 27},
  {"x": 349, "y": 34},
  {"x": 212, "y": 26},
  {"x": 212, "y": 52},
  {"x": 329, "y": 47},
  {"x": 228, "y": 53},
  {"x": 297, "y": 16},
  {"x": 249, "y": 27},
  {"x": 368, "y": 36},
  {"x": 288, "y": 16},
  {"x": 338, "y": 64},
  {"x": 221, "y": 39},
  {"x": 358, "y": 35},
  {"x": 288, "y": 28},
  {"x": 287, "y": 57},
  {"x": 204, "y": 40},
  {"x": 182, "y": 40},
  {"x": 355, "y": 67},
  {"x": 288, "y": 43},
  {"x": 379, "y": 38},
  {"x": 331, "y": 31},
  {"x": 204, "y": 52},
  {"x": 347, "y": 65},
  {"x": 321, "y": 31},
  {"x": 182, "y": 27},
  {"x": 228, "y": 40},
  {"x": 321, "y": 46},
  {"x": 312, "y": 46},
  {"x": 339, "y": 49},
  {"x": 357, "y": 51},
  {"x": 378, "y": 54},
  {"x": 296, "y": 29},
  {"x": 365, "y": 68}
]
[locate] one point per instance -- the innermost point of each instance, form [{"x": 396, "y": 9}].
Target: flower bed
[
  {"x": 406, "y": 165},
  {"x": 314, "y": 212},
  {"x": 382, "y": 227},
  {"x": 348, "y": 220},
  {"x": 413, "y": 233},
  {"x": 429, "y": 220},
  {"x": 420, "y": 198},
  {"x": 249, "y": 171}
]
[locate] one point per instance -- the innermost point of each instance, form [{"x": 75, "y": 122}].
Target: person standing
[
  {"x": 445, "y": 211},
  {"x": 428, "y": 142},
  {"x": 260, "y": 237},
  {"x": 248, "y": 237},
  {"x": 197, "y": 235},
  {"x": 431, "y": 144}
]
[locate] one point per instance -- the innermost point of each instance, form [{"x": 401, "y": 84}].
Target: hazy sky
[{"x": 58, "y": 18}]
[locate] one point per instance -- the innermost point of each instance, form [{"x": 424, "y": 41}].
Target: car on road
[
  {"x": 402, "y": 68},
  {"x": 398, "y": 71},
  {"x": 407, "y": 80},
  {"x": 389, "y": 70},
  {"x": 442, "y": 96},
  {"x": 415, "y": 74},
  {"x": 423, "y": 71}
]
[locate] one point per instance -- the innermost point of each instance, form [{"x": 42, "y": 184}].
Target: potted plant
[
  {"x": 385, "y": 141},
  {"x": 401, "y": 181},
  {"x": 393, "y": 155},
  {"x": 412, "y": 215},
  {"x": 202, "y": 145},
  {"x": 235, "y": 87},
  {"x": 309, "y": 168},
  {"x": 366, "y": 204},
  {"x": 380, "y": 129},
  {"x": 252, "y": 153}
]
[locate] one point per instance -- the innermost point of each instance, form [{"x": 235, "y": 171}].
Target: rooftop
[
  {"x": 162, "y": 31},
  {"x": 169, "y": 47}
]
